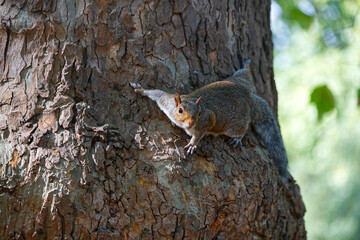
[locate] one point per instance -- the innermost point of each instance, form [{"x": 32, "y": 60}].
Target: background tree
[
  {"x": 82, "y": 156},
  {"x": 317, "y": 69}
]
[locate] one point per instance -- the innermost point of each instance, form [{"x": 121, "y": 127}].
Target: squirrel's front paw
[
  {"x": 191, "y": 148},
  {"x": 137, "y": 87}
]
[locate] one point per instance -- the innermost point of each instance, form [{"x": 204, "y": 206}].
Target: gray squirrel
[{"x": 224, "y": 107}]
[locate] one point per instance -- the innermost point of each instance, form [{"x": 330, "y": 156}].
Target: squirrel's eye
[{"x": 181, "y": 110}]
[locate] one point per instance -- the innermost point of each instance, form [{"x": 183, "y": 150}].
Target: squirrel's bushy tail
[
  {"x": 243, "y": 76},
  {"x": 265, "y": 125}
]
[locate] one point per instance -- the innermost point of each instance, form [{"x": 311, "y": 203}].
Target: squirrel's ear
[
  {"x": 177, "y": 99},
  {"x": 198, "y": 101}
]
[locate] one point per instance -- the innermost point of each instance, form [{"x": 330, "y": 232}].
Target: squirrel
[{"x": 225, "y": 107}]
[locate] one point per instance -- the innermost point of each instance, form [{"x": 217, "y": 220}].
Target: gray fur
[{"x": 265, "y": 125}]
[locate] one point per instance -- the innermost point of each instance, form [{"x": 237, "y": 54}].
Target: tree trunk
[{"x": 83, "y": 157}]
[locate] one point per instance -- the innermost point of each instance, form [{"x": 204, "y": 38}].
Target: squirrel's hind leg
[
  {"x": 236, "y": 135},
  {"x": 235, "y": 141}
]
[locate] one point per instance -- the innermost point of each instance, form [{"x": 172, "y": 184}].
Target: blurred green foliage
[
  {"x": 317, "y": 71},
  {"x": 322, "y": 97},
  {"x": 332, "y": 18}
]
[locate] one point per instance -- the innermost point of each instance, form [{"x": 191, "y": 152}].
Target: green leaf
[
  {"x": 292, "y": 15},
  {"x": 358, "y": 97},
  {"x": 323, "y": 99},
  {"x": 301, "y": 18}
]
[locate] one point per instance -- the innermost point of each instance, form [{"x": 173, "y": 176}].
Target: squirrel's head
[{"x": 186, "y": 112}]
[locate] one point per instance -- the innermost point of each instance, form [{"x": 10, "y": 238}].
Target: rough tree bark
[{"x": 83, "y": 157}]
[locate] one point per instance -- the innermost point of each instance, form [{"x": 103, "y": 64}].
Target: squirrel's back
[{"x": 228, "y": 101}]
